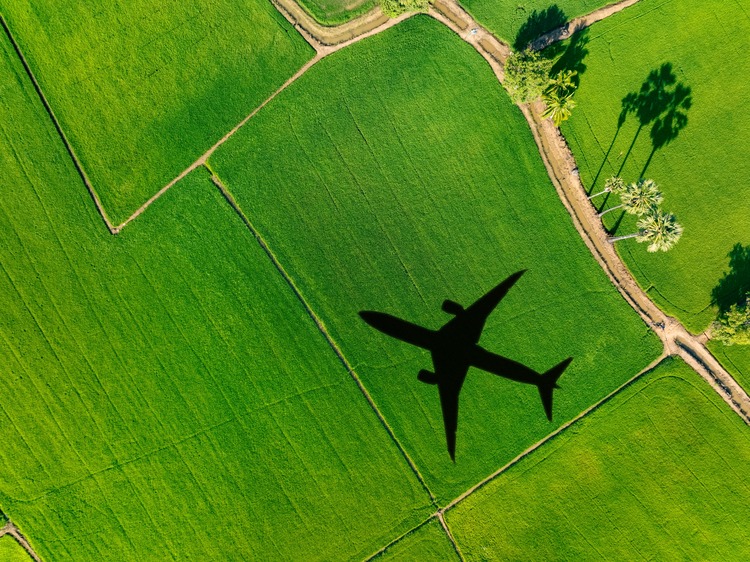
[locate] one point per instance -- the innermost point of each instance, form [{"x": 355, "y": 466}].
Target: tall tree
[
  {"x": 614, "y": 185},
  {"x": 526, "y": 76},
  {"x": 559, "y": 105},
  {"x": 660, "y": 229},
  {"x": 733, "y": 326},
  {"x": 638, "y": 198}
]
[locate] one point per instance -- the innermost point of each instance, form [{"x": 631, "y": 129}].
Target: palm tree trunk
[
  {"x": 597, "y": 194},
  {"x": 611, "y": 209},
  {"x": 613, "y": 239}
]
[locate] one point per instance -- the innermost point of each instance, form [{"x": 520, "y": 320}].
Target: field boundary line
[
  {"x": 399, "y": 538},
  {"x": 10, "y": 529},
  {"x": 478, "y": 486},
  {"x": 58, "y": 127},
  {"x": 441, "y": 517},
  {"x": 321, "y": 327}
]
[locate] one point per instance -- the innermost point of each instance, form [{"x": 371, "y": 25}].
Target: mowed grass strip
[
  {"x": 396, "y": 174},
  {"x": 518, "y": 23},
  {"x": 429, "y": 543},
  {"x": 143, "y": 88},
  {"x": 700, "y": 164},
  {"x": 165, "y": 395},
  {"x": 657, "y": 473}
]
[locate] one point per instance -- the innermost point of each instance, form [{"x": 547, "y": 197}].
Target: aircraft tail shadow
[{"x": 548, "y": 384}]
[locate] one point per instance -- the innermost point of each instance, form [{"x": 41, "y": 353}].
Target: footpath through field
[{"x": 10, "y": 529}]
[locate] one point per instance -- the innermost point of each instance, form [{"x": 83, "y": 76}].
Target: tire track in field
[{"x": 321, "y": 327}]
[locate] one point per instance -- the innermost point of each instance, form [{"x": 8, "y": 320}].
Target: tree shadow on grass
[
  {"x": 537, "y": 24},
  {"x": 735, "y": 285},
  {"x": 661, "y": 102}
]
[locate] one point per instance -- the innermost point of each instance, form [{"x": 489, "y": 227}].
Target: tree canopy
[{"x": 733, "y": 326}]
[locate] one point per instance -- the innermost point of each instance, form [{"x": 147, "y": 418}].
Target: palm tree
[
  {"x": 660, "y": 229},
  {"x": 639, "y": 198},
  {"x": 559, "y": 105},
  {"x": 562, "y": 81},
  {"x": 612, "y": 185}
]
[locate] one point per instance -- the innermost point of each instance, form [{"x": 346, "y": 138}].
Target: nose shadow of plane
[{"x": 454, "y": 348}]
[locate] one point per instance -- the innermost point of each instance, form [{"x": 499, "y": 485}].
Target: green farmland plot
[
  {"x": 165, "y": 395},
  {"x": 142, "y": 88},
  {"x": 736, "y": 360},
  {"x": 429, "y": 543},
  {"x": 396, "y": 174},
  {"x": 686, "y": 130},
  {"x": 518, "y": 22},
  {"x": 11, "y": 551},
  {"x": 657, "y": 473},
  {"x": 334, "y": 12}
]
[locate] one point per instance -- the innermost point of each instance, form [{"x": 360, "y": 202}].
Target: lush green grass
[
  {"x": 384, "y": 181},
  {"x": 703, "y": 171},
  {"x": 334, "y": 12},
  {"x": 11, "y": 551},
  {"x": 736, "y": 359},
  {"x": 429, "y": 543},
  {"x": 165, "y": 395},
  {"x": 143, "y": 88},
  {"x": 509, "y": 19},
  {"x": 658, "y": 473}
]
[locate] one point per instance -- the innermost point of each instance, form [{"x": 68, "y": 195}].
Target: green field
[
  {"x": 703, "y": 170},
  {"x": 165, "y": 395},
  {"x": 429, "y": 543},
  {"x": 657, "y": 473},
  {"x": 11, "y": 551},
  {"x": 382, "y": 181},
  {"x": 334, "y": 12},
  {"x": 736, "y": 360},
  {"x": 143, "y": 88},
  {"x": 518, "y": 22}
]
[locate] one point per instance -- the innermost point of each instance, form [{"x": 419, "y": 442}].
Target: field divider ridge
[
  {"x": 76, "y": 162},
  {"x": 321, "y": 327},
  {"x": 10, "y": 529},
  {"x": 647, "y": 369}
]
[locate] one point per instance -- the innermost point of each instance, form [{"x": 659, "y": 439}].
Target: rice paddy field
[
  {"x": 518, "y": 22},
  {"x": 684, "y": 130},
  {"x": 429, "y": 543},
  {"x": 659, "y": 472},
  {"x": 143, "y": 88},
  {"x": 11, "y": 551},
  {"x": 334, "y": 12},
  {"x": 201, "y": 386},
  {"x": 165, "y": 395},
  {"x": 382, "y": 181}
]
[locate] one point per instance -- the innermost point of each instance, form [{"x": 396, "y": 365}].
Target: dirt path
[
  {"x": 565, "y": 31},
  {"x": 10, "y": 529}
]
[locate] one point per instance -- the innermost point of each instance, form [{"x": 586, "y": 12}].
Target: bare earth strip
[{"x": 10, "y": 529}]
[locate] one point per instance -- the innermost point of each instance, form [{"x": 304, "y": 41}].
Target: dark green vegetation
[
  {"x": 394, "y": 8},
  {"x": 658, "y": 473},
  {"x": 334, "y": 12},
  {"x": 382, "y": 181},
  {"x": 429, "y": 543},
  {"x": 11, "y": 551},
  {"x": 165, "y": 395},
  {"x": 519, "y": 22},
  {"x": 142, "y": 89},
  {"x": 661, "y": 96}
]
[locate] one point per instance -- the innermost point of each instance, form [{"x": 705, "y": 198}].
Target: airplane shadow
[{"x": 454, "y": 349}]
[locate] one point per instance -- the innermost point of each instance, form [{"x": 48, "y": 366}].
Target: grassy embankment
[
  {"x": 142, "y": 89},
  {"x": 658, "y": 473},
  {"x": 165, "y": 395},
  {"x": 396, "y": 174}
]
